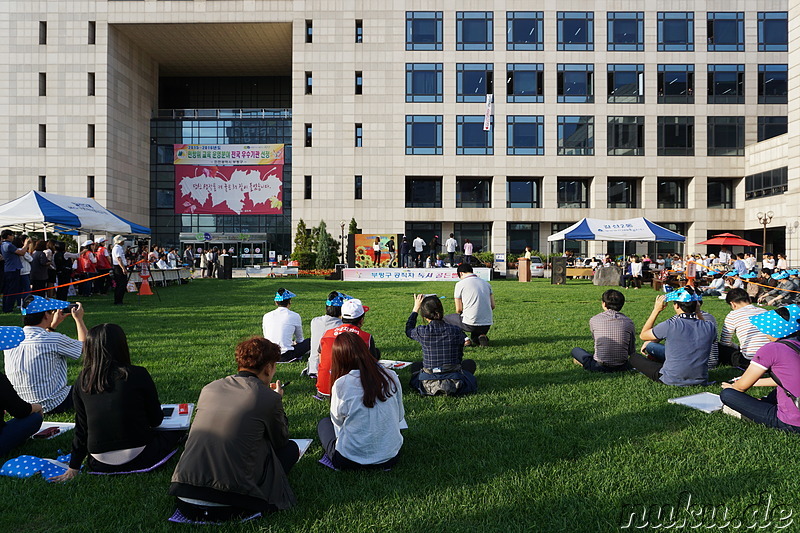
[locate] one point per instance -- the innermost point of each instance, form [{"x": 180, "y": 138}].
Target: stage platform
[{"x": 408, "y": 274}]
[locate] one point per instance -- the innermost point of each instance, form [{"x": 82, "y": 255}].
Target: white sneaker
[{"x": 728, "y": 411}]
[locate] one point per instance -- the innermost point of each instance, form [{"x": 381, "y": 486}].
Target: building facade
[{"x": 676, "y": 111}]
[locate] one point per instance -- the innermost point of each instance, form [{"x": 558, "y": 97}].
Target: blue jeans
[
  {"x": 587, "y": 360},
  {"x": 763, "y": 411},
  {"x": 11, "y": 284},
  {"x": 18, "y": 430},
  {"x": 656, "y": 351}
]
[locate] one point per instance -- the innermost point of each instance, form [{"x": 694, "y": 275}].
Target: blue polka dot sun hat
[
  {"x": 40, "y": 305},
  {"x": 339, "y": 300},
  {"x": 775, "y": 324},
  {"x": 683, "y": 296},
  {"x": 11, "y": 337},
  {"x": 749, "y": 275},
  {"x": 780, "y": 275},
  {"x": 284, "y": 294}
]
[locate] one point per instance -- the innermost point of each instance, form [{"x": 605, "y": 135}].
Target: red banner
[{"x": 239, "y": 190}]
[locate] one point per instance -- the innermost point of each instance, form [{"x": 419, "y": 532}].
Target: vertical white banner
[{"x": 487, "y": 118}]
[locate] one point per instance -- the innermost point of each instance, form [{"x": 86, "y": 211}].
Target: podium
[{"x": 524, "y": 269}]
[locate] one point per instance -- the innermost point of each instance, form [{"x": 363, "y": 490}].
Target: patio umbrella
[{"x": 728, "y": 239}]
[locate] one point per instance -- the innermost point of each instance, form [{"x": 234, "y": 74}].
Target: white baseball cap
[
  {"x": 87, "y": 243},
  {"x": 353, "y": 308},
  {"x": 100, "y": 240}
]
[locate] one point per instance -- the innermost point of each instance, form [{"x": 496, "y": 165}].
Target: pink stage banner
[{"x": 229, "y": 190}]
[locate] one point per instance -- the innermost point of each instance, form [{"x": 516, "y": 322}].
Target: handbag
[{"x": 794, "y": 398}]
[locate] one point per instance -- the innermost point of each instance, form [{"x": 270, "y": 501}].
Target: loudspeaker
[
  {"x": 226, "y": 267},
  {"x": 558, "y": 275}
]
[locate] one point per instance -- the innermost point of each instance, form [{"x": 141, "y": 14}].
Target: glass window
[
  {"x": 523, "y": 192},
  {"x": 725, "y": 84},
  {"x": 309, "y": 83},
  {"x": 525, "y": 135},
  {"x": 675, "y": 135},
  {"x": 675, "y": 84},
  {"x": 675, "y": 31},
  {"x": 720, "y": 193},
  {"x": 359, "y": 31},
  {"x": 423, "y": 191},
  {"x": 726, "y": 32},
  {"x": 424, "y": 230},
  {"x": 479, "y": 234},
  {"x": 521, "y": 234},
  {"x": 672, "y": 193},
  {"x": 471, "y": 139},
  {"x": 43, "y": 183},
  {"x": 474, "y": 81},
  {"x": 42, "y": 135},
  {"x": 773, "y": 84},
  {"x": 626, "y": 31},
  {"x": 525, "y": 82},
  {"x": 90, "y": 136},
  {"x": 42, "y": 32},
  {"x": 165, "y": 198},
  {"x": 359, "y": 82},
  {"x": 577, "y": 247},
  {"x": 769, "y": 127},
  {"x": 90, "y": 84},
  {"x": 623, "y": 192},
  {"x": 725, "y": 136},
  {"x": 309, "y": 138},
  {"x": 575, "y": 83},
  {"x": 423, "y": 134},
  {"x": 626, "y": 84},
  {"x": 42, "y": 84},
  {"x": 575, "y": 135},
  {"x": 423, "y": 30},
  {"x": 309, "y": 31},
  {"x": 525, "y": 30},
  {"x": 474, "y": 30},
  {"x": 769, "y": 183},
  {"x": 573, "y": 192},
  {"x": 473, "y": 192},
  {"x": 358, "y": 186},
  {"x": 90, "y": 188},
  {"x": 307, "y": 188},
  {"x": 575, "y": 30},
  {"x": 625, "y": 135},
  {"x": 424, "y": 82},
  {"x": 359, "y": 135},
  {"x": 773, "y": 31}
]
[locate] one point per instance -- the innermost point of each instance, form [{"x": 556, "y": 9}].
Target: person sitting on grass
[
  {"x": 738, "y": 323},
  {"x": 26, "y": 417},
  {"x": 715, "y": 288},
  {"x": 781, "y": 358},
  {"x": 366, "y": 414},
  {"x": 320, "y": 324},
  {"x": 116, "y": 410},
  {"x": 474, "y": 303},
  {"x": 353, "y": 315},
  {"x": 683, "y": 359},
  {"x": 238, "y": 453},
  {"x": 614, "y": 337},
  {"x": 285, "y": 328},
  {"x": 782, "y": 294},
  {"x": 443, "y": 369}
]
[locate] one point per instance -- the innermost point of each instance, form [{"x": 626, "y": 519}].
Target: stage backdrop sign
[
  {"x": 365, "y": 255},
  {"x": 229, "y": 179},
  {"x": 408, "y": 274}
]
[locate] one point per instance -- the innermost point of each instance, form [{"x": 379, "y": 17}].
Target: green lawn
[{"x": 543, "y": 446}]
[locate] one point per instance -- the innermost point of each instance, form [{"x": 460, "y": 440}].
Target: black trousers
[
  {"x": 474, "y": 331},
  {"x": 163, "y": 443},
  {"x": 121, "y": 284},
  {"x": 730, "y": 355},
  {"x": 649, "y": 368}
]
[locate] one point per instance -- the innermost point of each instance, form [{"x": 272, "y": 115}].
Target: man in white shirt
[
  {"x": 285, "y": 328},
  {"x": 474, "y": 303},
  {"x": 451, "y": 245},
  {"x": 120, "y": 268},
  {"x": 418, "y": 246},
  {"x": 37, "y": 368},
  {"x": 737, "y": 322}
]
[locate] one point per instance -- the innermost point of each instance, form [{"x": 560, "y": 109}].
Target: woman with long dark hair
[
  {"x": 116, "y": 410},
  {"x": 363, "y": 429}
]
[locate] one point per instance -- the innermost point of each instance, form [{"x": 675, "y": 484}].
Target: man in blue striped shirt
[{"x": 37, "y": 368}]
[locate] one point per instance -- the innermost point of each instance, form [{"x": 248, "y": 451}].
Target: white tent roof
[
  {"x": 632, "y": 229},
  {"x": 54, "y": 211}
]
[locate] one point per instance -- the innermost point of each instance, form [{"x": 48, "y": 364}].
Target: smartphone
[{"x": 68, "y": 309}]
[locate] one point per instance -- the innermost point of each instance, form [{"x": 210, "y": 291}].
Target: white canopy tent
[
  {"x": 63, "y": 214},
  {"x": 632, "y": 229}
]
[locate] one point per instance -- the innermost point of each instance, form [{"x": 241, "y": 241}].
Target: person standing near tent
[
  {"x": 418, "y": 245},
  {"x": 11, "y": 268},
  {"x": 467, "y": 251},
  {"x": 120, "y": 266},
  {"x": 451, "y": 245},
  {"x": 103, "y": 265}
]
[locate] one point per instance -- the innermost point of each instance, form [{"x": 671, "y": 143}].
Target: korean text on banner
[
  {"x": 228, "y": 154},
  {"x": 234, "y": 190},
  {"x": 487, "y": 118}
]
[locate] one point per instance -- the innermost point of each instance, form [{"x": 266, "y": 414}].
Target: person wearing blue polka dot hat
[
  {"x": 37, "y": 368},
  {"x": 285, "y": 327},
  {"x": 320, "y": 324},
  {"x": 782, "y": 294},
  {"x": 687, "y": 336},
  {"x": 27, "y": 417},
  {"x": 780, "y": 360}
]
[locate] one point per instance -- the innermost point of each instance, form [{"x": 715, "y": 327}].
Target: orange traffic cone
[{"x": 144, "y": 289}]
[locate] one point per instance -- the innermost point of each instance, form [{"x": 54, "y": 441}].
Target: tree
[
  {"x": 325, "y": 247},
  {"x": 353, "y": 228},
  {"x": 302, "y": 239}
]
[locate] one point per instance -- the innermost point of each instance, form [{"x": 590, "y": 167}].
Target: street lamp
[
  {"x": 764, "y": 219},
  {"x": 341, "y": 224}
]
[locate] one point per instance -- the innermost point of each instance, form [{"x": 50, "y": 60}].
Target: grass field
[{"x": 543, "y": 446}]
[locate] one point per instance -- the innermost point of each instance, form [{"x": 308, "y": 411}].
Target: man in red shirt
[{"x": 353, "y": 313}]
